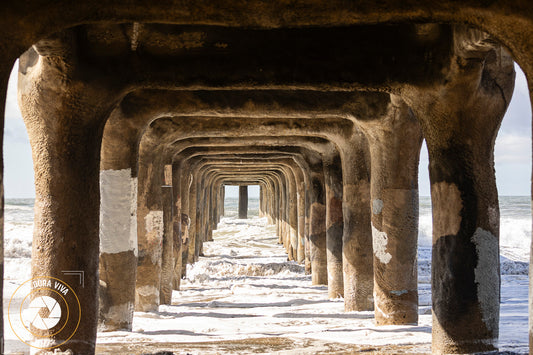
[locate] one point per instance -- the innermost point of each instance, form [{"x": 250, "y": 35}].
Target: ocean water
[
  {"x": 245, "y": 296},
  {"x": 515, "y": 225}
]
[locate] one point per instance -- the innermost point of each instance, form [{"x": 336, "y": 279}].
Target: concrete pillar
[
  {"x": 167, "y": 254},
  {"x": 203, "y": 208},
  {"x": 186, "y": 181},
  {"x": 219, "y": 204},
  {"x": 286, "y": 213},
  {"x": 196, "y": 243},
  {"x": 192, "y": 218},
  {"x": 317, "y": 230},
  {"x": 243, "y": 201},
  {"x": 307, "y": 250},
  {"x": 277, "y": 206},
  {"x": 261, "y": 202},
  {"x": 271, "y": 201},
  {"x": 357, "y": 234},
  {"x": 213, "y": 210},
  {"x": 394, "y": 140},
  {"x": 460, "y": 122},
  {"x": 334, "y": 223},
  {"x": 300, "y": 254},
  {"x": 65, "y": 117},
  {"x": 150, "y": 226},
  {"x": 5, "y": 70},
  {"x": 118, "y": 224},
  {"x": 531, "y": 254},
  {"x": 274, "y": 201},
  {"x": 176, "y": 227},
  {"x": 282, "y": 210},
  {"x": 286, "y": 196},
  {"x": 292, "y": 222}
]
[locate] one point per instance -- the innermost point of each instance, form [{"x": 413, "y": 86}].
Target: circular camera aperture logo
[
  {"x": 44, "y": 313},
  {"x": 42, "y": 308}
]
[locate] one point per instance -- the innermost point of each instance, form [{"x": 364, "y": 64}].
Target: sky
[{"x": 512, "y": 151}]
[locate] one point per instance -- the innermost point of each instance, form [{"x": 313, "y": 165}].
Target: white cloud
[
  {"x": 513, "y": 149},
  {"x": 521, "y": 87},
  {"x": 12, "y": 108}
]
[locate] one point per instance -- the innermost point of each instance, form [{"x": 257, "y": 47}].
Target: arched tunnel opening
[{"x": 224, "y": 186}]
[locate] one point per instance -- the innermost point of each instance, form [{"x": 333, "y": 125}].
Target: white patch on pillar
[
  {"x": 119, "y": 314},
  {"x": 116, "y": 187},
  {"x": 147, "y": 291},
  {"x": 486, "y": 276},
  {"x": 133, "y": 226},
  {"x": 122, "y": 312},
  {"x": 377, "y": 206},
  {"x": 379, "y": 243},
  {"x": 153, "y": 223}
]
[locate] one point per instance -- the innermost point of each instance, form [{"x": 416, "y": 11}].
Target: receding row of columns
[{"x": 338, "y": 177}]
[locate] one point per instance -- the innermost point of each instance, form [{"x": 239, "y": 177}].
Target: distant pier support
[{"x": 243, "y": 202}]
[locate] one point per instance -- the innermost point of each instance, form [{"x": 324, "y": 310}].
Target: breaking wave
[{"x": 205, "y": 271}]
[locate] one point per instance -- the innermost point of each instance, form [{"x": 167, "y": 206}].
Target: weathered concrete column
[
  {"x": 150, "y": 226},
  {"x": 334, "y": 223},
  {"x": 198, "y": 205},
  {"x": 185, "y": 181},
  {"x": 189, "y": 205},
  {"x": 307, "y": 250},
  {"x": 357, "y": 234},
  {"x": 221, "y": 200},
  {"x": 167, "y": 253},
  {"x": 394, "y": 140},
  {"x": 530, "y": 85},
  {"x": 292, "y": 214},
  {"x": 118, "y": 223},
  {"x": 275, "y": 201},
  {"x": 460, "y": 120},
  {"x": 271, "y": 201},
  {"x": 220, "y": 203},
  {"x": 300, "y": 254},
  {"x": 176, "y": 227},
  {"x": 317, "y": 229},
  {"x": 214, "y": 192},
  {"x": 194, "y": 242},
  {"x": 262, "y": 202},
  {"x": 286, "y": 212},
  {"x": 243, "y": 201},
  {"x": 5, "y": 70},
  {"x": 281, "y": 209},
  {"x": 65, "y": 117},
  {"x": 203, "y": 196}
]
